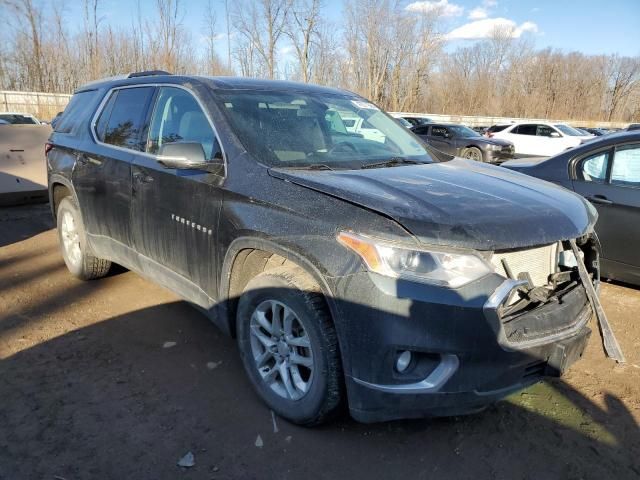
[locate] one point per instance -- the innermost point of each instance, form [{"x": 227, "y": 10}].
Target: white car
[
  {"x": 539, "y": 138},
  {"x": 18, "y": 118},
  {"x": 364, "y": 128}
]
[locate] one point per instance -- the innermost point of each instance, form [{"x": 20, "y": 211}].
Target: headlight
[
  {"x": 447, "y": 269},
  {"x": 495, "y": 147}
]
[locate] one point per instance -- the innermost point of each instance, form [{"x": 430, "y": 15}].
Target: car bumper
[
  {"x": 463, "y": 357},
  {"x": 499, "y": 156}
]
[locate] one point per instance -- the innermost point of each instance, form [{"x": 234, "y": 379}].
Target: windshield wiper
[
  {"x": 315, "y": 166},
  {"x": 392, "y": 162}
]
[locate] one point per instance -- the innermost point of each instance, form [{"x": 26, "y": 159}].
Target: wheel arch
[
  {"x": 252, "y": 256},
  {"x": 59, "y": 188}
]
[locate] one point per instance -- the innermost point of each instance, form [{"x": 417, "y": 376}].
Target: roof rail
[{"x": 148, "y": 73}]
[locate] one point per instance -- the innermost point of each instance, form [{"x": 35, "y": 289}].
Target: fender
[
  {"x": 56, "y": 178},
  {"x": 241, "y": 243}
]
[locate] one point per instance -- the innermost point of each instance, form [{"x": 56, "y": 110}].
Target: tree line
[{"x": 399, "y": 59}]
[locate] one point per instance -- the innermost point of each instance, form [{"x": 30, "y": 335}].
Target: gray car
[{"x": 463, "y": 142}]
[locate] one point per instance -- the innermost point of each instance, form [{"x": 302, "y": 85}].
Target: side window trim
[{"x": 107, "y": 95}]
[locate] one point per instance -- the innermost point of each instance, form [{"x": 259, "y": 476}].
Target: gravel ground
[{"x": 92, "y": 387}]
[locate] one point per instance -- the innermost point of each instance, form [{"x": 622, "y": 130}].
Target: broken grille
[{"x": 539, "y": 263}]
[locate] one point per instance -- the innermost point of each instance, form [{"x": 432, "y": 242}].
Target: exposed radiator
[{"x": 539, "y": 262}]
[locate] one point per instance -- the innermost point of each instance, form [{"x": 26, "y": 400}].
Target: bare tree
[
  {"x": 303, "y": 29},
  {"x": 261, "y": 23}
]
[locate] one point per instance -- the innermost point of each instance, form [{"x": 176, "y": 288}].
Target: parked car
[
  {"x": 539, "y": 139},
  {"x": 607, "y": 172},
  {"x": 461, "y": 141},
  {"x": 15, "y": 118},
  {"x": 363, "y": 128},
  {"x": 350, "y": 269},
  {"x": 598, "y": 132},
  {"x": 633, "y": 126},
  {"x": 412, "y": 119}
]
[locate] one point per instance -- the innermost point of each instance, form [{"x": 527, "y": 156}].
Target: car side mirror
[
  {"x": 554, "y": 135},
  {"x": 188, "y": 156}
]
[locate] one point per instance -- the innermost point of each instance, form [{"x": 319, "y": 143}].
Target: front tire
[
  {"x": 73, "y": 243},
  {"x": 473, "y": 153},
  {"x": 289, "y": 346}
]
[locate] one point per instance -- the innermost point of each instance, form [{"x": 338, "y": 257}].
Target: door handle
[
  {"x": 601, "y": 199},
  {"x": 140, "y": 177}
]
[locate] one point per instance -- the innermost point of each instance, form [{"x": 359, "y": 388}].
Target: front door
[
  {"x": 610, "y": 180},
  {"x": 175, "y": 212}
]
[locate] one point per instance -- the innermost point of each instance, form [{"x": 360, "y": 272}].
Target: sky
[{"x": 588, "y": 26}]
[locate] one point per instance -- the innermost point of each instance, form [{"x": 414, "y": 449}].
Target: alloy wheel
[{"x": 281, "y": 349}]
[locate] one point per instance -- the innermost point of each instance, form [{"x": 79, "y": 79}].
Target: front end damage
[{"x": 468, "y": 350}]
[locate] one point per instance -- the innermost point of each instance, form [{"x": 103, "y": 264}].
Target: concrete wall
[{"x": 44, "y": 106}]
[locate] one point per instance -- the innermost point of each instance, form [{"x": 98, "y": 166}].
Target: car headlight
[
  {"x": 495, "y": 147},
  {"x": 447, "y": 269}
]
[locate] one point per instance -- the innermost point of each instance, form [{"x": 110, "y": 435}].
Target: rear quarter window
[{"x": 79, "y": 108}]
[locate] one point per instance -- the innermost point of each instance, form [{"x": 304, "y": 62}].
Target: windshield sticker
[{"x": 364, "y": 105}]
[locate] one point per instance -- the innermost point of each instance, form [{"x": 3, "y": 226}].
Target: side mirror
[
  {"x": 188, "y": 156},
  {"x": 554, "y": 135}
]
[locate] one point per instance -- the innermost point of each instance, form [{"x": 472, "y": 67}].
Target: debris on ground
[
  {"x": 188, "y": 461},
  {"x": 169, "y": 344},
  {"x": 212, "y": 365},
  {"x": 259, "y": 442}
]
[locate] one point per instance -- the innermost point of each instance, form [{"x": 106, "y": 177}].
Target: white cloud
[
  {"x": 486, "y": 27},
  {"x": 478, "y": 13},
  {"x": 441, "y": 7}
]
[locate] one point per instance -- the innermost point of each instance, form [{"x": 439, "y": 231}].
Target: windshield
[
  {"x": 462, "y": 131},
  {"x": 567, "y": 130},
  {"x": 18, "y": 119},
  {"x": 291, "y": 129}
]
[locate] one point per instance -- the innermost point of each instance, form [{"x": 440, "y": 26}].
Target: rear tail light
[{"x": 47, "y": 147}]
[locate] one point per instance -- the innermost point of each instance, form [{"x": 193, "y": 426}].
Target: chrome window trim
[{"x": 105, "y": 99}]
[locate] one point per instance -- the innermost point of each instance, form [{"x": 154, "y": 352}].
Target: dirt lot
[{"x": 89, "y": 389}]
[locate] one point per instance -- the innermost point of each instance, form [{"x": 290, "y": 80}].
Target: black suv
[{"x": 351, "y": 269}]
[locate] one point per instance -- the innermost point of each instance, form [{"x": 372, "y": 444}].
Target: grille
[{"x": 539, "y": 262}]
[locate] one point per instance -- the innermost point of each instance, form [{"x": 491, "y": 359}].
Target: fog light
[{"x": 403, "y": 361}]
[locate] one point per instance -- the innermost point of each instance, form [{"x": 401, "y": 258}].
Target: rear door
[
  {"x": 610, "y": 180},
  {"x": 102, "y": 172},
  {"x": 175, "y": 212},
  {"x": 524, "y": 139}
]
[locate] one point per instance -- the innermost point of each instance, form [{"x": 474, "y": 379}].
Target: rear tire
[
  {"x": 284, "y": 305},
  {"x": 473, "y": 153},
  {"x": 73, "y": 243}
]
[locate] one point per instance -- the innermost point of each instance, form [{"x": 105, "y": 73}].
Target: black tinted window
[
  {"x": 439, "y": 131},
  {"x": 496, "y": 128},
  {"x": 525, "y": 129},
  {"x": 122, "y": 118},
  {"x": 421, "y": 130},
  {"x": 78, "y": 109}
]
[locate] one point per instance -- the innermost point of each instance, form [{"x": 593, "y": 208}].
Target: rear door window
[
  {"x": 122, "y": 119},
  {"x": 594, "y": 167},
  {"x": 545, "y": 131},
  {"x": 527, "y": 129},
  {"x": 439, "y": 132}
]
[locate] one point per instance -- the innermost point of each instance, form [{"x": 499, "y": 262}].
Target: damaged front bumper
[{"x": 469, "y": 348}]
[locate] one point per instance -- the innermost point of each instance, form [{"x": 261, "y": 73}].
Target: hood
[
  {"x": 528, "y": 162},
  {"x": 459, "y": 203}
]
